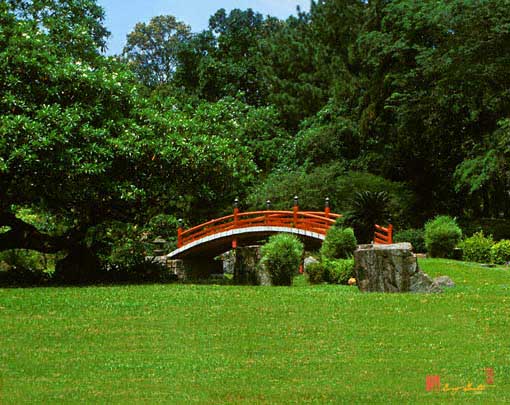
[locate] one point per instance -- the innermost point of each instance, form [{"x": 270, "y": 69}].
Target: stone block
[
  {"x": 247, "y": 267},
  {"x": 390, "y": 268}
]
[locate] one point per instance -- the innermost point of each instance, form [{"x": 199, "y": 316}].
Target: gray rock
[
  {"x": 390, "y": 268},
  {"x": 444, "y": 281},
  {"x": 229, "y": 260},
  {"x": 161, "y": 260},
  {"x": 247, "y": 267},
  {"x": 176, "y": 267},
  {"x": 309, "y": 260}
]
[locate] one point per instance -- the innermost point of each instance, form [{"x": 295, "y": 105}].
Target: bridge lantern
[
  {"x": 327, "y": 210},
  {"x": 179, "y": 234},
  {"x": 268, "y": 205},
  {"x": 296, "y": 209},
  {"x": 236, "y": 211}
]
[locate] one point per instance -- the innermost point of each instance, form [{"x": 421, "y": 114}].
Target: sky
[{"x": 122, "y": 15}]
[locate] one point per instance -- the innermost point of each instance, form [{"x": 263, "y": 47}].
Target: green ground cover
[{"x": 219, "y": 344}]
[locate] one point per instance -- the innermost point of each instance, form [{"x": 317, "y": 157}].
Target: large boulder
[
  {"x": 248, "y": 268},
  {"x": 390, "y": 268}
]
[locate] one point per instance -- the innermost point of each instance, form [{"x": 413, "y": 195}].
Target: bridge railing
[
  {"x": 382, "y": 235},
  {"x": 313, "y": 221}
]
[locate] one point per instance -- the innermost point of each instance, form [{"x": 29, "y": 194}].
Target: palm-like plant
[{"x": 368, "y": 208}]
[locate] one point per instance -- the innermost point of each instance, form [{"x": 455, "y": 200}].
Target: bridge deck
[
  {"x": 216, "y": 236},
  {"x": 318, "y": 222}
]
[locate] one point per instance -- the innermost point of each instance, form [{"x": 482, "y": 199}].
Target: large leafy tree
[
  {"x": 152, "y": 49},
  {"x": 438, "y": 85},
  {"x": 296, "y": 84},
  {"x": 79, "y": 144},
  {"x": 416, "y": 89},
  {"x": 226, "y": 59}
]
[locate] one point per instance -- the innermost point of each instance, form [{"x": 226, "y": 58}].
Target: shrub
[
  {"x": 339, "y": 271},
  {"x": 500, "y": 252},
  {"x": 340, "y": 243},
  {"x": 368, "y": 208},
  {"x": 441, "y": 235},
  {"x": 477, "y": 248},
  {"x": 499, "y": 228},
  {"x": 316, "y": 273},
  {"x": 24, "y": 267},
  {"x": 415, "y": 237},
  {"x": 281, "y": 256}
]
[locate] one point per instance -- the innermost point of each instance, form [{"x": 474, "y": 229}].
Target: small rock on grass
[{"x": 444, "y": 281}]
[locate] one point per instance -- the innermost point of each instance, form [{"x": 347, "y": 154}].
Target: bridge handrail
[
  {"x": 214, "y": 221},
  {"x": 382, "y": 235},
  {"x": 308, "y": 220}
]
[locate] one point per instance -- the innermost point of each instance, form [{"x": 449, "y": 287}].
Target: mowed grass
[{"x": 220, "y": 344}]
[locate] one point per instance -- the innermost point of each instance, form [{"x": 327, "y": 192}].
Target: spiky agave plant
[{"x": 367, "y": 209}]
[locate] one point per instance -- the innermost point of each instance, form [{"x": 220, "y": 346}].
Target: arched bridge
[{"x": 215, "y": 237}]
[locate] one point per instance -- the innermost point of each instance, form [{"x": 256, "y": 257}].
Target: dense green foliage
[
  {"x": 395, "y": 110},
  {"x": 281, "y": 256},
  {"x": 332, "y": 181},
  {"x": 500, "y": 252},
  {"x": 442, "y": 234},
  {"x": 336, "y": 264},
  {"x": 416, "y": 237},
  {"x": 81, "y": 147},
  {"x": 338, "y": 271},
  {"x": 328, "y": 270},
  {"x": 499, "y": 228},
  {"x": 340, "y": 243},
  {"x": 316, "y": 272},
  {"x": 477, "y": 248}
]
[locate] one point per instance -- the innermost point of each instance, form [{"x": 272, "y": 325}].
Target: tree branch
[{"x": 26, "y": 236}]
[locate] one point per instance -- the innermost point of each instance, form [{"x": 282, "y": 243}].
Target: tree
[
  {"x": 78, "y": 143},
  {"x": 292, "y": 71},
  {"x": 152, "y": 49},
  {"x": 434, "y": 74},
  {"x": 226, "y": 59},
  {"x": 75, "y": 26},
  {"x": 485, "y": 174}
]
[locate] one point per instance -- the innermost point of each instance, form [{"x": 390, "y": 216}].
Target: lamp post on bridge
[
  {"x": 327, "y": 209},
  {"x": 296, "y": 209},
  {"x": 179, "y": 234},
  {"x": 236, "y": 221},
  {"x": 266, "y": 215},
  {"x": 236, "y": 210}
]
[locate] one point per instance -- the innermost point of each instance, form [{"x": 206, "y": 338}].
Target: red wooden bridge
[{"x": 220, "y": 235}]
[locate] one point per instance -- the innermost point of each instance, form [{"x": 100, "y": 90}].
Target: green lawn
[{"x": 218, "y": 344}]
